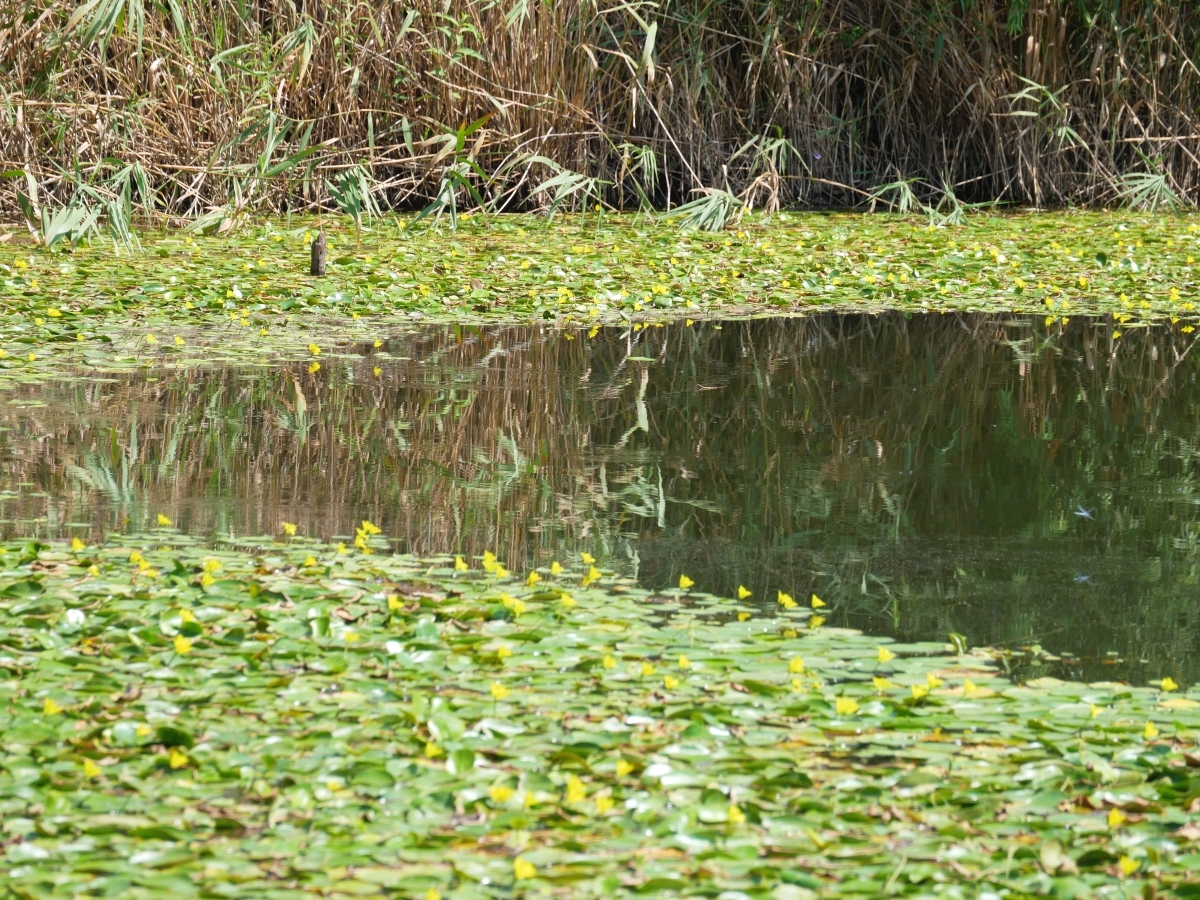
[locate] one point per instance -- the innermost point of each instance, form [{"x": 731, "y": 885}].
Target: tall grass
[{"x": 232, "y": 106}]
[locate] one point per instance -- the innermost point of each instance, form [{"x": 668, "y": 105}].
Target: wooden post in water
[{"x": 318, "y": 254}]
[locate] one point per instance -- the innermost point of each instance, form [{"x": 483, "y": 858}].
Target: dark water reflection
[{"x": 924, "y": 475}]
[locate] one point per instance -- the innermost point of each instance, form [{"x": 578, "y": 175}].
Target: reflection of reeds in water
[{"x": 909, "y": 470}]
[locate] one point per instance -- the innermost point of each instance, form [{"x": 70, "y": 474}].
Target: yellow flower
[
  {"x": 50, "y": 708},
  {"x": 587, "y": 558},
  {"x": 489, "y": 561},
  {"x": 532, "y": 579},
  {"x": 685, "y": 582},
  {"x": 624, "y": 767},
  {"x": 590, "y": 577},
  {"x": 433, "y": 894},
  {"x": 349, "y": 636},
  {"x": 182, "y": 644},
  {"x": 500, "y": 793},
  {"x": 93, "y": 569},
  {"x": 576, "y": 790},
  {"x": 499, "y": 691},
  {"x": 609, "y": 661},
  {"x": 918, "y": 691},
  {"x": 186, "y": 615},
  {"x": 432, "y": 749},
  {"x": 647, "y": 669},
  {"x": 503, "y": 651},
  {"x": 314, "y": 349},
  {"x": 881, "y": 684},
  {"x": 151, "y": 339},
  {"x": 1116, "y": 818},
  {"x": 684, "y": 662},
  {"x": 796, "y": 666},
  {"x": 567, "y": 601},
  {"x": 785, "y": 600},
  {"x": 394, "y": 603},
  {"x": 556, "y": 568},
  {"x": 604, "y": 804},
  {"x": 1168, "y": 684},
  {"x": 969, "y": 686},
  {"x": 90, "y": 769},
  {"x": 309, "y": 561},
  {"x": 670, "y": 682},
  {"x": 523, "y": 869},
  {"x": 886, "y": 655},
  {"x": 736, "y": 816},
  {"x": 846, "y": 706},
  {"x": 207, "y": 580},
  {"x": 816, "y": 621},
  {"x": 817, "y": 602},
  {"x": 501, "y": 572},
  {"x": 1150, "y": 731},
  {"x": 177, "y": 759},
  {"x": 289, "y": 529},
  {"x": 743, "y": 593},
  {"x": 77, "y": 545},
  {"x": 1129, "y": 865},
  {"x": 743, "y": 616},
  {"x": 164, "y": 521},
  {"x": 932, "y": 680},
  {"x": 313, "y": 368},
  {"x": 179, "y": 342},
  {"x": 1095, "y": 710}
]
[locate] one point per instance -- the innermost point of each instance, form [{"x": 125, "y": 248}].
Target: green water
[{"x": 1025, "y": 487}]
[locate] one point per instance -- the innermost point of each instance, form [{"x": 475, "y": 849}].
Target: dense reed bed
[{"x": 237, "y": 107}]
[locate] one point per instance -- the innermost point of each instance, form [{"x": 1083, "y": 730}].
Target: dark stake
[{"x": 318, "y": 254}]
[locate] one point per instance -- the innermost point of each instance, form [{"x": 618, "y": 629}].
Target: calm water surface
[{"x": 924, "y": 475}]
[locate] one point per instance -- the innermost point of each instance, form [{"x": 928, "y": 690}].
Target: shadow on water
[{"x": 925, "y": 475}]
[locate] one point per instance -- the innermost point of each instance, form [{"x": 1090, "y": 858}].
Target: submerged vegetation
[{"x": 283, "y": 718}]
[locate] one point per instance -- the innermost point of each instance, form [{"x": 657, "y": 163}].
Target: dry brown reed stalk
[{"x": 795, "y": 101}]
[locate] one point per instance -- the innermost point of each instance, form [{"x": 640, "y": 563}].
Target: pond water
[{"x": 1030, "y": 488}]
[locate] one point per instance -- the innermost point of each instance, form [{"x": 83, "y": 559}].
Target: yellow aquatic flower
[
  {"x": 933, "y": 681},
  {"x": 816, "y": 621},
  {"x": 918, "y": 691},
  {"x": 182, "y": 644},
  {"x": 684, "y": 662},
  {"x": 886, "y": 655},
  {"x": 846, "y": 706},
  {"x": 500, "y": 793},
  {"x": 609, "y": 661},
  {"x": 432, "y": 750},
  {"x": 685, "y": 582},
  {"x": 1150, "y": 731},
  {"x": 314, "y": 349},
  {"x": 785, "y": 600},
  {"x": 289, "y": 528},
  {"x": 503, "y": 652},
  {"x": 1116, "y": 818},
  {"x": 1168, "y": 684},
  {"x": 77, "y": 545},
  {"x": 670, "y": 682},
  {"x": 743, "y": 593},
  {"x": 164, "y": 521},
  {"x": 736, "y": 816},
  {"x": 460, "y": 564},
  {"x": 532, "y": 579},
  {"x": 604, "y": 804},
  {"x": 489, "y": 561},
  {"x": 647, "y": 668},
  {"x": 576, "y": 790},
  {"x": 499, "y": 691},
  {"x": 817, "y": 602},
  {"x": 523, "y": 869},
  {"x": 1129, "y": 865},
  {"x": 796, "y": 666},
  {"x": 567, "y": 601},
  {"x": 501, "y": 572},
  {"x": 313, "y": 368},
  {"x": 90, "y": 769},
  {"x": 50, "y": 708},
  {"x": 556, "y": 568},
  {"x": 624, "y": 767},
  {"x": 177, "y": 759},
  {"x": 969, "y": 686},
  {"x": 881, "y": 684},
  {"x": 587, "y": 558}
]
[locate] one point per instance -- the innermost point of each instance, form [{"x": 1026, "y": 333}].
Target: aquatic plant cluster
[
  {"x": 288, "y": 718},
  {"x": 250, "y": 297}
]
